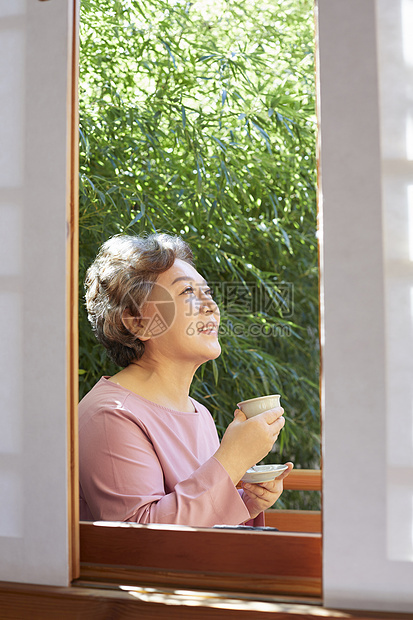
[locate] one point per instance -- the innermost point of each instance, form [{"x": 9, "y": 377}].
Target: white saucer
[{"x": 263, "y": 473}]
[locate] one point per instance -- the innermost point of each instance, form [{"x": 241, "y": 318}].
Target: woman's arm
[
  {"x": 246, "y": 442},
  {"x": 122, "y": 479}
]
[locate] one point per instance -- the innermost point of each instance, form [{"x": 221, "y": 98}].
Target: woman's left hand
[{"x": 259, "y": 497}]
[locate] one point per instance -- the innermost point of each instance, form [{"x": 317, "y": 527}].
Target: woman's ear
[{"x": 134, "y": 325}]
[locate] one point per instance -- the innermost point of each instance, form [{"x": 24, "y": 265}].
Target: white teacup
[{"x": 255, "y": 406}]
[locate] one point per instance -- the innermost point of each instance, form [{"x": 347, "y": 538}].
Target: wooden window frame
[
  {"x": 72, "y": 296},
  {"x": 255, "y": 562}
]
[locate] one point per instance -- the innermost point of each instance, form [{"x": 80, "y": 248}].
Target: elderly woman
[{"x": 149, "y": 453}]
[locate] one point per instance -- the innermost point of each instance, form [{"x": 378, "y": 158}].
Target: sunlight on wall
[
  {"x": 407, "y": 30},
  {"x": 412, "y": 512},
  {"x": 11, "y": 506},
  {"x": 395, "y": 30},
  {"x": 12, "y": 101},
  {"x": 12, "y": 72},
  {"x": 410, "y": 219},
  {"x": 10, "y": 364},
  {"x": 409, "y": 138}
]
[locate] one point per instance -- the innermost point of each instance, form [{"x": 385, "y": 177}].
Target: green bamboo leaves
[{"x": 199, "y": 119}]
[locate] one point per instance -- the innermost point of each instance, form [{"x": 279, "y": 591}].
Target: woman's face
[{"x": 182, "y": 317}]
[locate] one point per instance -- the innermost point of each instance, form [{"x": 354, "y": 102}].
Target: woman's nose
[
  {"x": 206, "y": 308},
  {"x": 208, "y": 305}
]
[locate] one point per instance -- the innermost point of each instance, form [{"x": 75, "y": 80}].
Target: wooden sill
[
  {"x": 247, "y": 561},
  {"x": 20, "y": 601}
]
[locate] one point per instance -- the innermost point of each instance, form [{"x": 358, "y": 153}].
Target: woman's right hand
[{"x": 247, "y": 441}]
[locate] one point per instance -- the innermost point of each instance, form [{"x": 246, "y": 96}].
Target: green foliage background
[{"x": 198, "y": 119}]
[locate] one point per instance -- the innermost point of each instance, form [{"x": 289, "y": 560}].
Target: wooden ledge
[
  {"x": 19, "y": 601},
  {"x": 304, "y": 480},
  {"x": 246, "y": 561},
  {"x": 294, "y": 520}
]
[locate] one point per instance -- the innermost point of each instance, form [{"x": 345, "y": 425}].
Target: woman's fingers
[
  {"x": 247, "y": 441},
  {"x": 272, "y": 483},
  {"x": 256, "y": 490},
  {"x": 239, "y": 415},
  {"x": 272, "y": 415},
  {"x": 274, "y": 418},
  {"x": 286, "y": 472}
]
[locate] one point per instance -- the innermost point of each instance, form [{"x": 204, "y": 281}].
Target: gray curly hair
[{"x": 120, "y": 278}]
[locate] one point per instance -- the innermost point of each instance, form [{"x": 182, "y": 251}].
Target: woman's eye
[{"x": 188, "y": 289}]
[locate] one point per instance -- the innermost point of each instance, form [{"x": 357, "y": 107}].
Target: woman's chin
[
  {"x": 217, "y": 352},
  {"x": 211, "y": 352}
]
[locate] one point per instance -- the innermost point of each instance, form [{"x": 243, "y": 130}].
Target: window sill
[
  {"x": 275, "y": 563},
  {"x": 19, "y": 601}
]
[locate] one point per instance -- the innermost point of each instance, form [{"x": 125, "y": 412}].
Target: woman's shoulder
[
  {"x": 108, "y": 405},
  {"x": 103, "y": 388},
  {"x": 105, "y": 395}
]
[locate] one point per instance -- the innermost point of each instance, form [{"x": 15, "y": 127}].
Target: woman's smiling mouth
[{"x": 209, "y": 328}]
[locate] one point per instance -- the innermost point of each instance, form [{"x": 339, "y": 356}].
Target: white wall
[
  {"x": 367, "y": 405},
  {"x": 35, "y": 56},
  {"x": 395, "y": 38}
]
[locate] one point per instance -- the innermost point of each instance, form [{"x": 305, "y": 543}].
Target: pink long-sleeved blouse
[{"x": 145, "y": 463}]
